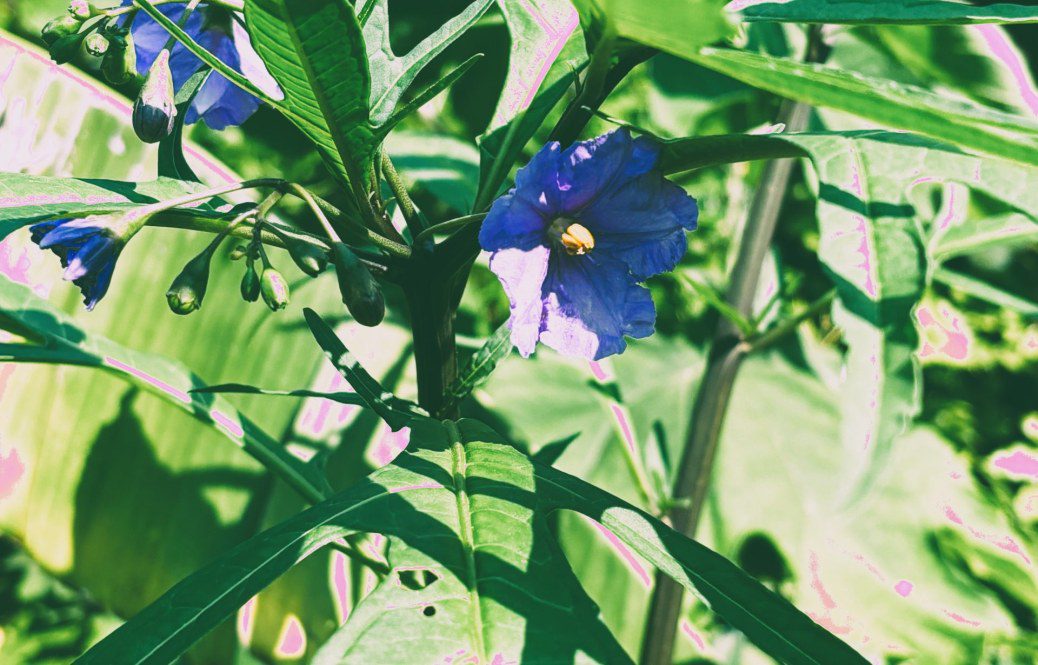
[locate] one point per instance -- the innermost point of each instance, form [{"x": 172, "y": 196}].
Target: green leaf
[
  {"x": 396, "y": 412},
  {"x": 935, "y": 12},
  {"x": 984, "y": 291},
  {"x": 980, "y": 62},
  {"x": 447, "y": 167},
  {"x": 675, "y": 26},
  {"x": 473, "y": 564},
  {"x": 879, "y": 581},
  {"x": 427, "y": 95},
  {"x": 540, "y": 31},
  {"x": 872, "y": 246},
  {"x": 243, "y": 389},
  {"x": 172, "y": 163},
  {"x": 886, "y": 102},
  {"x": 483, "y": 363},
  {"x": 117, "y": 469},
  {"x": 315, "y": 51},
  {"x": 502, "y": 146},
  {"x": 27, "y": 199},
  {"x": 66, "y": 343},
  {"x": 393, "y": 74}
]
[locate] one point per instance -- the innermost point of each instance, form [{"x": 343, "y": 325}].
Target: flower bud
[
  {"x": 239, "y": 253},
  {"x": 81, "y": 9},
  {"x": 154, "y": 109},
  {"x": 250, "y": 283},
  {"x": 187, "y": 290},
  {"x": 274, "y": 289},
  {"x": 64, "y": 49},
  {"x": 311, "y": 260},
  {"x": 120, "y": 62},
  {"x": 360, "y": 292},
  {"x": 96, "y": 44},
  {"x": 63, "y": 26}
]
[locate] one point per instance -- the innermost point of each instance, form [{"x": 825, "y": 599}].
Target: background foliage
[{"x": 928, "y": 554}]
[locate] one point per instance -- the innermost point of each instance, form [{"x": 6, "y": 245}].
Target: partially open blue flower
[
  {"x": 88, "y": 249},
  {"x": 575, "y": 236},
  {"x": 220, "y": 103}
]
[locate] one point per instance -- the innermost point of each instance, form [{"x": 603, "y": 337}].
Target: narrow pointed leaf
[{"x": 924, "y": 12}]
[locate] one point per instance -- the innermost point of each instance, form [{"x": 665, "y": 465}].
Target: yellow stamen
[{"x": 577, "y": 240}]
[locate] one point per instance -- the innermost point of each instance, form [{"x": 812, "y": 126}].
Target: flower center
[{"x": 571, "y": 236}]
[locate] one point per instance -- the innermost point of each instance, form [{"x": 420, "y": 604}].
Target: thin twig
[{"x": 727, "y": 352}]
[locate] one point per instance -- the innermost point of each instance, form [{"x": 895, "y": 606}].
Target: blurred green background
[{"x": 121, "y": 498}]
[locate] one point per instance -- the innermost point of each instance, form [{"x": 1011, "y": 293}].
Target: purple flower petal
[
  {"x": 522, "y": 275},
  {"x": 574, "y": 237},
  {"x": 642, "y": 222},
  {"x": 590, "y": 305}
]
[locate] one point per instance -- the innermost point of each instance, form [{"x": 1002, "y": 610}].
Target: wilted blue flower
[
  {"x": 574, "y": 237},
  {"x": 219, "y": 102},
  {"x": 88, "y": 249}
]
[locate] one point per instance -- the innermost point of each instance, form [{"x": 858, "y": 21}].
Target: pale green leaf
[{"x": 885, "y": 102}]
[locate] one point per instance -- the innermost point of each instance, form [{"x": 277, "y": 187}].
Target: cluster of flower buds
[{"x": 87, "y": 30}]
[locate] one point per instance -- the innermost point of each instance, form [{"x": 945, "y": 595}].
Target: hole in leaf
[
  {"x": 429, "y": 610},
  {"x": 416, "y": 579}
]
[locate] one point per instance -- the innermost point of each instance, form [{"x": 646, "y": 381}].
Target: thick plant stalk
[
  {"x": 430, "y": 300},
  {"x": 727, "y": 351}
]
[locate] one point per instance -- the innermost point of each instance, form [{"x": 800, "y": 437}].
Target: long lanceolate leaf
[
  {"x": 873, "y": 245},
  {"x": 27, "y": 199},
  {"x": 395, "y": 411},
  {"x": 475, "y": 572},
  {"x": 65, "y": 343},
  {"x": 314, "y": 49},
  {"x": 926, "y": 12},
  {"x": 886, "y": 102}
]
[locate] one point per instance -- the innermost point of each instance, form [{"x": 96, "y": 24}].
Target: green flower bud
[
  {"x": 274, "y": 289},
  {"x": 187, "y": 290},
  {"x": 120, "y": 62},
  {"x": 239, "y": 253},
  {"x": 63, "y": 26},
  {"x": 311, "y": 260},
  {"x": 360, "y": 292},
  {"x": 64, "y": 49},
  {"x": 154, "y": 110},
  {"x": 96, "y": 44},
  {"x": 82, "y": 9},
  {"x": 250, "y": 283}
]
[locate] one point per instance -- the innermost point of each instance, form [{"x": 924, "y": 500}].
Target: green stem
[
  {"x": 727, "y": 351},
  {"x": 407, "y": 206},
  {"x": 429, "y": 299},
  {"x": 770, "y": 337}
]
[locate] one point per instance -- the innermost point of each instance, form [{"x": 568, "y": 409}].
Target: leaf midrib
[{"x": 467, "y": 537}]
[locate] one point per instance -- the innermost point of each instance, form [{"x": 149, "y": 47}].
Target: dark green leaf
[
  {"x": 315, "y": 50},
  {"x": 396, "y": 412},
  {"x": 393, "y": 74},
  {"x": 172, "y": 163}
]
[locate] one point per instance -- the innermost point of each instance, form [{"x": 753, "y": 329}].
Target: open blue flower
[
  {"x": 88, "y": 249},
  {"x": 220, "y": 103},
  {"x": 575, "y": 236}
]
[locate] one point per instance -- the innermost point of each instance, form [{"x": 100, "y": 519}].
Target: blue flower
[
  {"x": 219, "y": 102},
  {"x": 88, "y": 249},
  {"x": 575, "y": 236}
]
